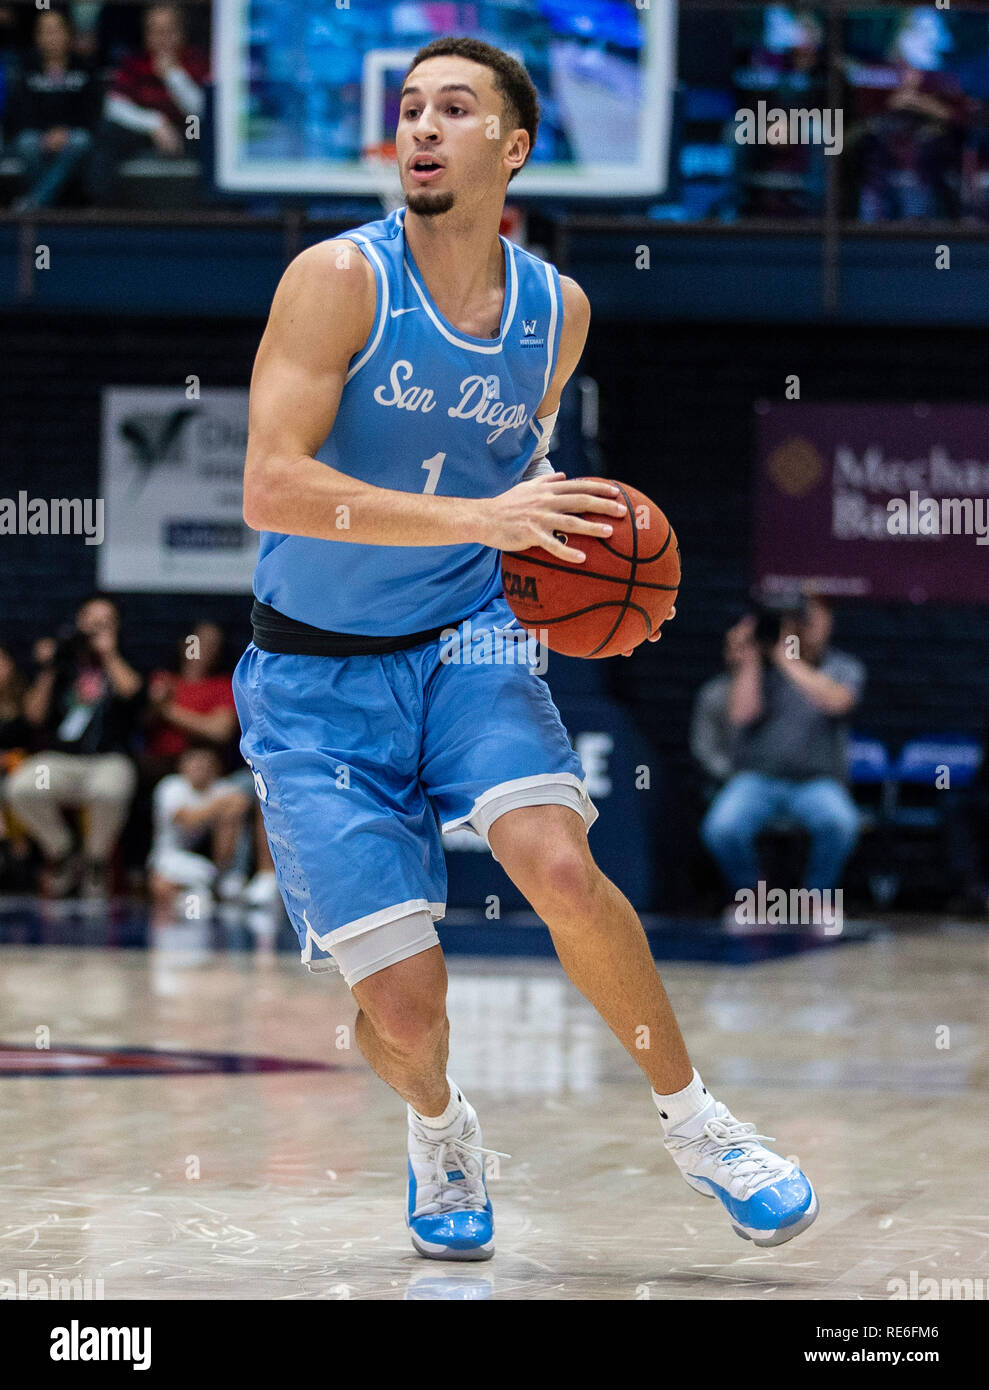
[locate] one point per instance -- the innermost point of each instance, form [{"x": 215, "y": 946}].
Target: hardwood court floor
[{"x": 289, "y": 1184}]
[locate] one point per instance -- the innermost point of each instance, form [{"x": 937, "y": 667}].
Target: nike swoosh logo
[{"x": 396, "y": 313}]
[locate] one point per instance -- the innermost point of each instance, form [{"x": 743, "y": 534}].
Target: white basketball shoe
[
  {"x": 449, "y": 1212},
  {"x": 767, "y": 1198}
]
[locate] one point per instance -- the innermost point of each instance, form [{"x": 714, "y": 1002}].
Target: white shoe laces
[
  {"x": 755, "y": 1167},
  {"x": 444, "y": 1194}
]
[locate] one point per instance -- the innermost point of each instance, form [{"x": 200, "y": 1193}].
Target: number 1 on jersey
[{"x": 435, "y": 467}]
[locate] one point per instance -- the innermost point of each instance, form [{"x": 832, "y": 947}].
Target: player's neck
[{"x": 460, "y": 260}]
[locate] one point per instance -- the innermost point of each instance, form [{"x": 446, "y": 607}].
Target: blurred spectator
[
  {"x": 909, "y": 148},
  {"x": 15, "y": 731},
  {"x": 193, "y": 703},
  {"x": 198, "y": 820},
  {"x": 84, "y": 704},
  {"x": 15, "y": 740},
  {"x": 712, "y": 734},
  {"x": 52, "y": 110},
  {"x": 261, "y": 892},
  {"x": 85, "y": 25},
  {"x": 106, "y": 31},
  {"x": 785, "y": 69},
  {"x": 149, "y": 100},
  {"x": 791, "y": 716}
]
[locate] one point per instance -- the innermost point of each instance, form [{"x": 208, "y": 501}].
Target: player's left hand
[{"x": 658, "y": 633}]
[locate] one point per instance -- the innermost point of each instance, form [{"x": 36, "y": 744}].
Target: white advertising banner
[{"x": 172, "y": 481}]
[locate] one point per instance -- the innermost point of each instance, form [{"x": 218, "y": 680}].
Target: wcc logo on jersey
[{"x": 529, "y": 339}]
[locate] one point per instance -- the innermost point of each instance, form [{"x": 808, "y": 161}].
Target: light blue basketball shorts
[{"x": 361, "y": 761}]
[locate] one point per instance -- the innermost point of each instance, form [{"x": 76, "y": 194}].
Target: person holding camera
[
  {"x": 790, "y": 700},
  {"x": 712, "y": 734},
  {"x": 84, "y": 703}
]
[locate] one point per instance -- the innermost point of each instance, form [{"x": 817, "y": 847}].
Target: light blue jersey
[{"x": 425, "y": 408}]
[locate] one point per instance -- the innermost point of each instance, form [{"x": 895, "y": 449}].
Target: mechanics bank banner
[
  {"x": 874, "y": 501},
  {"x": 172, "y": 467}
]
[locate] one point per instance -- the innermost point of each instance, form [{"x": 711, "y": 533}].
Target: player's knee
[
  {"x": 409, "y": 1024},
  {"x": 565, "y": 879}
]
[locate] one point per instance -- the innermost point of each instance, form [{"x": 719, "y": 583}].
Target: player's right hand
[{"x": 546, "y": 512}]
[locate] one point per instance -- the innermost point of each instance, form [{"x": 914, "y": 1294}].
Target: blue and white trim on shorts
[{"x": 340, "y": 951}]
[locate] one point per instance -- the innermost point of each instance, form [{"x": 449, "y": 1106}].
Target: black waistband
[{"x": 274, "y": 632}]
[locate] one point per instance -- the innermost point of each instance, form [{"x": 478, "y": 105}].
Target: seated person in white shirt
[
  {"x": 198, "y": 820},
  {"x": 151, "y": 102}
]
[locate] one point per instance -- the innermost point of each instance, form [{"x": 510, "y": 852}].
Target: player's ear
[{"x": 518, "y": 150}]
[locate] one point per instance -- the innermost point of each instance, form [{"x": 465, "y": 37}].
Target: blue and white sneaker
[
  {"x": 449, "y": 1212},
  {"x": 767, "y": 1198}
]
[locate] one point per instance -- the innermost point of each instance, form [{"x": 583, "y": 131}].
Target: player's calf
[{"x": 402, "y": 1028}]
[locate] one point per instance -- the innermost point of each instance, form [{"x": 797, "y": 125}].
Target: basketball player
[{"x": 402, "y": 403}]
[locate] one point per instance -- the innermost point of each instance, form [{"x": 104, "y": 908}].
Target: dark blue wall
[{"x": 732, "y": 274}]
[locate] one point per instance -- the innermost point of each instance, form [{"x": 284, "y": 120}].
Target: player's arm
[
  {"x": 321, "y": 316},
  {"x": 573, "y": 336},
  {"x": 543, "y": 503}
]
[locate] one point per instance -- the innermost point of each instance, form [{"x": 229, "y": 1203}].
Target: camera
[{"x": 769, "y": 615}]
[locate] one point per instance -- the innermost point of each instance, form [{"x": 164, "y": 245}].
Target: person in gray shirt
[{"x": 789, "y": 703}]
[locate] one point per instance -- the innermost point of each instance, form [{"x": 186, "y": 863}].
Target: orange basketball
[{"x": 617, "y": 598}]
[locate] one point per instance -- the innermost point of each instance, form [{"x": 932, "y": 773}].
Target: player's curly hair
[{"x": 511, "y": 81}]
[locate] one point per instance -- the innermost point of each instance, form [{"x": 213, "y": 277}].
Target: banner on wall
[
  {"x": 874, "y": 501},
  {"x": 172, "y": 483}
]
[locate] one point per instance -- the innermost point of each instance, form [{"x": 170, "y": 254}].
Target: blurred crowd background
[
  {"x": 118, "y": 764},
  {"x": 115, "y": 780},
  {"x": 94, "y": 98}
]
